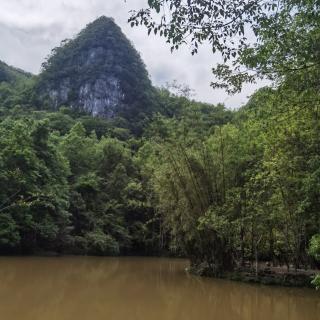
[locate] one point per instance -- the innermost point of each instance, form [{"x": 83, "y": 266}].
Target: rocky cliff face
[
  {"x": 100, "y": 97},
  {"x": 99, "y": 72}
]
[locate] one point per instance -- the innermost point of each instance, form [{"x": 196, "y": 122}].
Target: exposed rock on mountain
[{"x": 98, "y": 72}]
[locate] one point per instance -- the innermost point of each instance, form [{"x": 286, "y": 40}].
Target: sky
[{"x": 29, "y": 29}]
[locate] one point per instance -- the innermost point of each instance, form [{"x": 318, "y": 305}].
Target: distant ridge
[{"x": 11, "y": 74}]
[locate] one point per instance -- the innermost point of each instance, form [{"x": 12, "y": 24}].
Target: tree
[
  {"x": 285, "y": 45},
  {"x": 314, "y": 250},
  {"x": 34, "y": 191}
]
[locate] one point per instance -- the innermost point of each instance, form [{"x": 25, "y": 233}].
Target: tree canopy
[{"x": 271, "y": 38}]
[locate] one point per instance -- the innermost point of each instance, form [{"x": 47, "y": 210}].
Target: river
[{"x": 94, "y": 288}]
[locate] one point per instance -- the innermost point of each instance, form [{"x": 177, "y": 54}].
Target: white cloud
[{"x": 29, "y": 29}]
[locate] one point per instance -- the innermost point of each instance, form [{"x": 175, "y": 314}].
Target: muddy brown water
[{"x": 90, "y": 288}]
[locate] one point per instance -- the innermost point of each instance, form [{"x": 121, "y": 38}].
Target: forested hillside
[
  {"x": 11, "y": 74},
  {"x": 76, "y": 184},
  {"x": 223, "y": 188}
]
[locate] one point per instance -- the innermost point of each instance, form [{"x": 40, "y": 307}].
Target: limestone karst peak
[{"x": 98, "y": 72}]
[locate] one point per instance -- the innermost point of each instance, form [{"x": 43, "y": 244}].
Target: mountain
[
  {"x": 12, "y": 75},
  {"x": 99, "y": 72}
]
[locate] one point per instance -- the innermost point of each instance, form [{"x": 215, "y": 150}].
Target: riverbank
[
  {"x": 267, "y": 275},
  {"x": 278, "y": 276}
]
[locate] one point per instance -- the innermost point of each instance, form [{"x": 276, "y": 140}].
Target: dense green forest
[{"x": 223, "y": 188}]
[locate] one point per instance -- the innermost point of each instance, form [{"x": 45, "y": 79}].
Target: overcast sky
[{"x": 29, "y": 29}]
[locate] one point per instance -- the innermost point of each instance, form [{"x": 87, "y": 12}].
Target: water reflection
[{"x": 138, "y": 288}]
